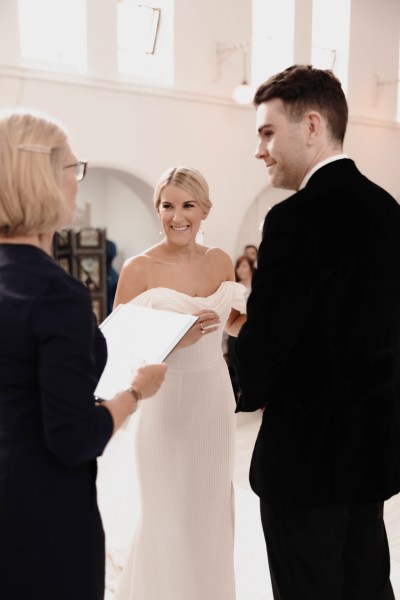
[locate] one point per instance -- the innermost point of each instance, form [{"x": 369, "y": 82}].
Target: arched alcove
[
  {"x": 120, "y": 202},
  {"x": 250, "y": 231}
]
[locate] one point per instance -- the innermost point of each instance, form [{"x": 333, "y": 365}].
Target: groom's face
[{"x": 282, "y": 145}]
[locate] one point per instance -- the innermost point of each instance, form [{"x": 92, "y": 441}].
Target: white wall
[
  {"x": 374, "y": 58},
  {"x": 137, "y": 131},
  {"x": 143, "y": 134}
]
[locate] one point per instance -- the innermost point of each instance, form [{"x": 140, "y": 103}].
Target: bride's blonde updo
[{"x": 188, "y": 179}]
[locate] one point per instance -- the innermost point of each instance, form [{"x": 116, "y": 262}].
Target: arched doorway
[{"x": 120, "y": 202}]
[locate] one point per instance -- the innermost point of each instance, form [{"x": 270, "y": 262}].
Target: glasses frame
[{"x": 80, "y": 169}]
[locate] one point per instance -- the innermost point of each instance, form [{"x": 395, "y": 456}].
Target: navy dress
[{"x": 51, "y": 356}]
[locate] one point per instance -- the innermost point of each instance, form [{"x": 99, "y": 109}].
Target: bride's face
[{"x": 180, "y": 215}]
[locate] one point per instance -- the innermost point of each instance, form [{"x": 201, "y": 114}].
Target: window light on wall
[
  {"x": 398, "y": 92},
  {"x": 273, "y": 30},
  {"x": 331, "y": 37},
  {"x": 59, "y": 39},
  {"x": 138, "y": 31}
]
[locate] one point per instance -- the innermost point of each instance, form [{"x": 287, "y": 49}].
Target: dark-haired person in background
[
  {"x": 251, "y": 251},
  {"x": 320, "y": 350}
]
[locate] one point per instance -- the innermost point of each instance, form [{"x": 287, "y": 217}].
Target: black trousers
[{"x": 328, "y": 553}]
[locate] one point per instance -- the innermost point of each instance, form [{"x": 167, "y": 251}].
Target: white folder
[{"x": 137, "y": 334}]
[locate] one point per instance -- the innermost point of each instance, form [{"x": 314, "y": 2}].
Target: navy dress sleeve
[{"x": 75, "y": 429}]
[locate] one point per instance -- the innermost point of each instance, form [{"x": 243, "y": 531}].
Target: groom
[{"x": 320, "y": 351}]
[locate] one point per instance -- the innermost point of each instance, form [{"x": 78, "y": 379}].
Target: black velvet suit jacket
[{"x": 321, "y": 347}]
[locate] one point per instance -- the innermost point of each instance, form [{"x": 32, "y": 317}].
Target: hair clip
[{"x": 35, "y": 148}]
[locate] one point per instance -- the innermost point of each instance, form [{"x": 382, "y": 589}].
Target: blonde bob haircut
[
  {"x": 188, "y": 179},
  {"x": 33, "y": 150}
]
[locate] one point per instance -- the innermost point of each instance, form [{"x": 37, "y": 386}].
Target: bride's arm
[
  {"x": 235, "y": 319},
  {"x": 235, "y": 322}
]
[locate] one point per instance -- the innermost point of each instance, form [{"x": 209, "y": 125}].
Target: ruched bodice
[{"x": 206, "y": 353}]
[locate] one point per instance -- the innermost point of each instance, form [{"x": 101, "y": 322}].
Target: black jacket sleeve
[{"x": 283, "y": 290}]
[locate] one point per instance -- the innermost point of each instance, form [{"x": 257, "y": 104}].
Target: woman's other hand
[{"x": 207, "y": 322}]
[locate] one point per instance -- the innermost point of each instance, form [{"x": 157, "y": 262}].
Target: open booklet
[{"x": 137, "y": 334}]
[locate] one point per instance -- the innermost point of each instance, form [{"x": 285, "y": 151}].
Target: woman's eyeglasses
[{"x": 80, "y": 169}]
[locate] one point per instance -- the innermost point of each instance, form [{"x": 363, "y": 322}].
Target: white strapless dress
[{"x": 168, "y": 513}]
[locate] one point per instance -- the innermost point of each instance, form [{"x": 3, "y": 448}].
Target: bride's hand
[{"x": 207, "y": 322}]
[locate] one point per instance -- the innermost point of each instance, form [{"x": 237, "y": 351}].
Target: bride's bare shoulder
[
  {"x": 133, "y": 278},
  {"x": 216, "y": 252},
  {"x": 222, "y": 261},
  {"x": 136, "y": 262},
  {"x": 141, "y": 261}
]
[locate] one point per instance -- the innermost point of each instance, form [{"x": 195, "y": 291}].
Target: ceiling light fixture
[{"x": 243, "y": 93}]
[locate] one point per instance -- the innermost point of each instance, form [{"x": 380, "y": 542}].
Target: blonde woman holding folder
[
  {"x": 51, "y": 356},
  {"x": 183, "y": 544}
]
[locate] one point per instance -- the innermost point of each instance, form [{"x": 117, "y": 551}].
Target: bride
[{"x": 182, "y": 546}]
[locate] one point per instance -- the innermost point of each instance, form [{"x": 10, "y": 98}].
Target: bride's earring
[
  {"x": 200, "y": 234},
  {"x": 161, "y": 232}
]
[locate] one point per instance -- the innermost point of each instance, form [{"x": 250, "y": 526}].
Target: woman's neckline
[{"x": 161, "y": 287}]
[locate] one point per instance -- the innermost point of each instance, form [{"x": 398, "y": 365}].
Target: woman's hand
[
  {"x": 207, "y": 323},
  {"x": 148, "y": 378},
  {"x": 145, "y": 383}
]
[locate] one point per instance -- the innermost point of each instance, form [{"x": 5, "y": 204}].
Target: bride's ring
[{"x": 202, "y": 328}]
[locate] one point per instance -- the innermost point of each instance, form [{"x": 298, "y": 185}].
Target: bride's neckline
[{"x": 160, "y": 287}]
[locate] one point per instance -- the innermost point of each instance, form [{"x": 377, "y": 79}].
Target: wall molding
[
  {"x": 123, "y": 86},
  {"x": 370, "y": 122},
  {"x": 56, "y": 77}
]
